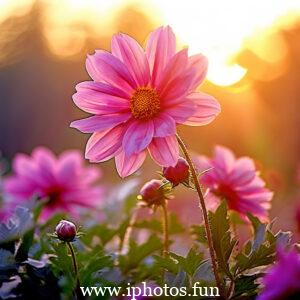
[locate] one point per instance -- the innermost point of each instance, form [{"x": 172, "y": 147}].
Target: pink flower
[
  {"x": 283, "y": 279},
  {"x": 137, "y": 97},
  {"x": 64, "y": 181},
  {"x": 236, "y": 181}
]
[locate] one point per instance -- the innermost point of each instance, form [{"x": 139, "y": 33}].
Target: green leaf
[
  {"x": 246, "y": 286},
  {"x": 137, "y": 253},
  {"x": 189, "y": 263},
  {"x": 167, "y": 263},
  {"x": 223, "y": 243},
  {"x": 199, "y": 233}
]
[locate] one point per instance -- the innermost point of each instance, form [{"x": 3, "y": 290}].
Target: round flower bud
[
  {"x": 66, "y": 231},
  {"x": 151, "y": 194},
  {"x": 177, "y": 174}
]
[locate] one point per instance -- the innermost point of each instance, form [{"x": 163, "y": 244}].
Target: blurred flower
[
  {"x": 66, "y": 231},
  {"x": 138, "y": 97},
  {"x": 64, "y": 182},
  {"x": 283, "y": 279},
  {"x": 236, "y": 181},
  {"x": 177, "y": 174},
  {"x": 153, "y": 193}
]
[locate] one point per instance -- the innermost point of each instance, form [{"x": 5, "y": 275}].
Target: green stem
[
  {"x": 165, "y": 223},
  {"x": 204, "y": 212},
  {"x": 79, "y": 295}
]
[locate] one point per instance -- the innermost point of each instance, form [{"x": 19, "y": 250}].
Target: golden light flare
[{"x": 219, "y": 29}]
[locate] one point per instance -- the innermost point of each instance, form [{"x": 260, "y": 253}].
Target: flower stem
[
  {"x": 204, "y": 212},
  {"x": 165, "y": 223},
  {"x": 124, "y": 243},
  {"x": 79, "y": 295}
]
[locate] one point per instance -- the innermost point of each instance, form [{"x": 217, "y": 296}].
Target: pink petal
[
  {"x": 165, "y": 150},
  {"x": 69, "y": 163},
  {"x": 46, "y": 162},
  {"x": 104, "y": 67},
  {"x": 181, "y": 111},
  {"x": 95, "y": 100},
  {"x": 200, "y": 63},
  {"x": 128, "y": 164},
  {"x": 243, "y": 172},
  {"x": 164, "y": 125},
  {"x": 161, "y": 46},
  {"x": 133, "y": 56},
  {"x": 175, "y": 68},
  {"x": 207, "y": 108},
  {"x": 99, "y": 123},
  {"x": 178, "y": 89},
  {"x": 102, "y": 146},
  {"x": 223, "y": 160},
  {"x": 138, "y": 136}
]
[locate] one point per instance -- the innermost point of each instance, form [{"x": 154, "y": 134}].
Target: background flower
[
  {"x": 283, "y": 279},
  {"x": 138, "y": 97},
  {"x": 236, "y": 181},
  {"x": 64, "y": 182}
]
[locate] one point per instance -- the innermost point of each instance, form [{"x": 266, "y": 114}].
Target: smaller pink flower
[
  {"x": 283, "y": 279},
  {"x": 64, "y": 181},
  {"x": 236, "y": 181}
]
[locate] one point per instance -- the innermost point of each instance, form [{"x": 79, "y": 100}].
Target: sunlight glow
[{"x": 219, "y": 29}]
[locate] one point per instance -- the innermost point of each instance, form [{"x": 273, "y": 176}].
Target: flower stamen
[{"x": 145, "y": 103}]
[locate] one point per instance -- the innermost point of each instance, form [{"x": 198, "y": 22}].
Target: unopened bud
[
  {"x": 178, "y": 173},
  {"x": 152, "y": 193},
  {"x": 66, "y": 231}
]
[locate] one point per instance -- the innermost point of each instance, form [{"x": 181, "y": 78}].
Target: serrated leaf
[
  {"x": 221, "y": 235},
  {"x": 199, "y": 233},
  {"x": 189, "y": 263},
  {"x": 167, "y": 263},
  {"x": 246, "y": 286}
]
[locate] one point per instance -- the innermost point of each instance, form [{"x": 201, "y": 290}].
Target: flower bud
[
  {"x": 177, "y": 174},
  {"x": 152, "y": 193},
  {"x": 66, "y": 231}
]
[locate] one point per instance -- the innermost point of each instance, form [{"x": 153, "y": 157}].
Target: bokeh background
[{"x": 253, "y": 47}]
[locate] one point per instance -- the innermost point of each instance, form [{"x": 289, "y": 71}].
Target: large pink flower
[
  {"x": 64, "y": 181},
  {"x": 236, "y": 181},
  {"x": 138, "y": 97},
  {"x": 283, "y": 279}
]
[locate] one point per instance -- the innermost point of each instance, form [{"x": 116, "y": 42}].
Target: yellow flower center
[{"x": 144, "y": 103}]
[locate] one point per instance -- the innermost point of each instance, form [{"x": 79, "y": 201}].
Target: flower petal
[
  {"x": 102, "y": 146},
  {"x": 175, "y": 68},
  {"x": 243, "y": 172},
  {"x": 104, "y": 67},
  {"x": 161, "y": 46},
  {"x": 164, "y": 125},
  {"x": 165, "y": 150},
  {"x": 133, "y": 56},
  {"x": 138, "y": 136},
  {"x": 200, "y": 63},
  {"x": 95, "y": 98},
  {"x": 207, "y": 108},
  {"x": 181, "y": 111},
  {"x": 128, "y": 164},
  {"x": 99, "y": 123}
]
